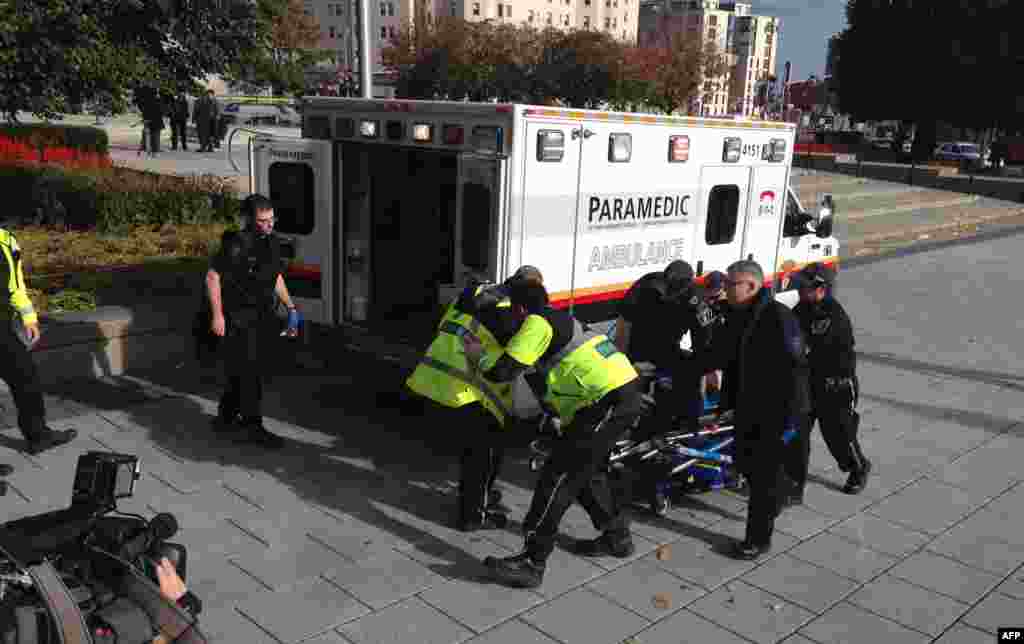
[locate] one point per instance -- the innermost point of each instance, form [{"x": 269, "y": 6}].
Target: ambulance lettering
[
  {"x": 604, "y": 210},
  {"x": 604, "y": 258},
  {"x": 767, "y": 206}
]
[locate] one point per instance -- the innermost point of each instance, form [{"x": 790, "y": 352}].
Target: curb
[{"x": 962, "y": 201}]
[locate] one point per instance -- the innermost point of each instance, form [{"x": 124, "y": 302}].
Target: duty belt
[{"x": 471, "y": 377}]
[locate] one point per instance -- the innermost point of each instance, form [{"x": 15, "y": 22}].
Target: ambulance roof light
[
  {"x": 678, "y": 149},
  {"x": 778, "y": 150},
  {"x": 369, "y": 129},
  {"x": 453, "y": 134},
  {"x": 620, "y": 147},
  {"x": 550, "y": 146},
  {"x": 731, "y": 149},
  {"x": 422, "y": 132}
]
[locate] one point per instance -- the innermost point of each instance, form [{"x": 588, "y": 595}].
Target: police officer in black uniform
[
  {"x": 654, "y": 315},
  {"x": 834, "y": 385},
  {"x": 242, "y": 284}
]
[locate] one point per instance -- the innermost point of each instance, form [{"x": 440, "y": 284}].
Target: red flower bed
[{"x": 21, "y": 151}]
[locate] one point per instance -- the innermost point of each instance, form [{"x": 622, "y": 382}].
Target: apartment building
[
  {"x": 748, "y": 42},
  {"x": 339, "y": 19}
]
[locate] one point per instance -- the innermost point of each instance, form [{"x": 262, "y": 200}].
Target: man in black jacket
[
  {"x": 763, "y": 354},
  {"x": 654, "y": 315},
  {"x": 242, "y": 284},
  {"x": 834, "y": 385}
]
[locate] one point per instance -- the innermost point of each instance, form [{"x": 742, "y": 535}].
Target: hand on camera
[{"x": 172, "y": 587}]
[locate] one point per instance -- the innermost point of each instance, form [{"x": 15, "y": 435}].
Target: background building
[
  {"x": 339, "y": 20},
  {"x": 749, "y": 43}
]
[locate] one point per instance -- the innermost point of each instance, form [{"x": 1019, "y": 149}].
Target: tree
[
  {"x": 289, "y": 47},
  {"x": 55, "y": 53}
]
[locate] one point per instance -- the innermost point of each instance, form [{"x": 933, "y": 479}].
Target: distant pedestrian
[
  {"x": 204, "y": 114},
  {"x": 179, "y": 122},
  {"x": 149, "y": 104}
]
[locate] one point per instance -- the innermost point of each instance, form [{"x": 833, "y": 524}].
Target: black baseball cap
[
  {"x": 816, "y": 275},
  {"x": 678, "y": 275}
]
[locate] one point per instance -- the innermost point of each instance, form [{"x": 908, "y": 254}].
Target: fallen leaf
[
  {"x": 662, "y": 601},
  {"x": 663, "y": 552}
]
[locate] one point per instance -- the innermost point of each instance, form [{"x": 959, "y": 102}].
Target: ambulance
[{"x": 387, "y": 207}]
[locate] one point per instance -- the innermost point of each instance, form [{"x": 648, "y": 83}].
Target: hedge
[
  {"x": 75, "y": 137},
  {"x": 113, "y": 200}
]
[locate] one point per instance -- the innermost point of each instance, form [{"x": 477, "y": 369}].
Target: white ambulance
[{"x": 388, "y": 206}]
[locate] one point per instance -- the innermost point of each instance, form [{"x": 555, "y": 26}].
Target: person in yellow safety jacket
[
  {"x": 477, "y": 409},
  {"x": 17, "y": 368},
  {"x": 593, "y": 388}
]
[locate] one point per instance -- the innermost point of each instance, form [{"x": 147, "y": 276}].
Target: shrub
[
  {"x": 114, "y": 200},
  {"x": 74, "y": 137}
]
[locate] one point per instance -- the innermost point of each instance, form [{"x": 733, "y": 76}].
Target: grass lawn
[{"x": 79, "y": 270}]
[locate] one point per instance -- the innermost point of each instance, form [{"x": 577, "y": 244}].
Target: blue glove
[
  {"x": 791, "y": 427},
  {"x": 294, "y": 319}
]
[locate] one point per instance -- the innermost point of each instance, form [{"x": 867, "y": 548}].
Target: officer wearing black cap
[
  {"x": 834, "y": 385},
  {"x": 242, "y": 284},
  {"x": 654, "y": 315}
]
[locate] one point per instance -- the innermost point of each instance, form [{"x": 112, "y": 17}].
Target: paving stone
[
  {"x": 945, "y": 576},
  {"x": 1013, "y": 585},
  {"x": 972, "y": 545},
  {"x": 803, "y": 522},
  {"x": 1005, "y": 523},
  {"x": 656, "y": 529},
  {"x": 751, "y": 612},
  {"x": 411, "y": 621},
  {"x": 217, "y": 582},
  {"x": 994, "y": 611},
  {"x": 330, "y": 637},
  {"x": 227, "y": 626},
  {"x": 910, "y": 605},
  {"x": 833, "y": 503},
  {"x": 513, "y": 632},
  {"x": 642, "y": 586},
  {"x": 356, "y": 540},
  {"x": 384, "y": 579},
  {"x": 479, "y": 606},
  {"x": 460, "y": 559},
  {"x": 703, "y": 564},
  {"x": 801, "y": 583},
  {"x": 708, "y": 509},
  {"x": 797, "y": 638},
  {"x": 963, "y": 635},
  {"x": 605, "y": 621},
  {"x": 728, "y": 532},
  {"x": 641, "y": 545},
  {"x": 846, "y": 558},
  {"x": 928, "y": 506},
  {"x": 989, "y": 469},
  {"x": 282, "y": 567},
  {"x": 304, "y": 611},
  {"x": 849, "y": 624},
  {"x": 880, "y": 535},
  {"x": 686, "y": 626},
  {"x": 566, "y": 571}
]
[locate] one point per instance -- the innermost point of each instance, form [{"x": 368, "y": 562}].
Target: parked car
[
  {"x": 255, "y": 114},
  {"x": 963, "y": 152}
]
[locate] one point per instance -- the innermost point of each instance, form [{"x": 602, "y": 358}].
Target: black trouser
[
  {"x": 246, "y": 349},
  {"x": 578, "y": 470},
  {"x": 835, "y": 410},
  {"x": 683, "y": 400},
  {"x": 179, "y": 132},
  {"x": 203, "y": 132},
  {"x": 483, "y": 453},
  {"x": 797, "y": 457},
  {"x": 18, "y": 370},
  {"x": 154, "y": 138},
  {"x": 766, "y": 489}
]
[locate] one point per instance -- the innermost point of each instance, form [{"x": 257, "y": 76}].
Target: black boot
[
  {"x": 6, "y": 470},
  {"x": 486, "y": 521},
  {"x": 858, "y": 479},
  {"x": 609, "y": 544},
  {"x": 253, "y": 431},
  {"x": 48, "y": 439},
  {"x": 746, "y": 551},
  {"x": 518, "y": 571},
  {"x": 226, "y": 421}
]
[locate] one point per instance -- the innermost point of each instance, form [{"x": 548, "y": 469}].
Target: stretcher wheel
[{"x": 660, "y": 504}]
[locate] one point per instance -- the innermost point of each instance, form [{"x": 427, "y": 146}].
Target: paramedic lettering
[
  {"x": 603, "y": 258},
  {"x": 609, "y": 211}
]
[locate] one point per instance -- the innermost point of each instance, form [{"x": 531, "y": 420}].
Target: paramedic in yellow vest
[
  {"x": 592, "y": 387},
  {"x": 477, "y": 409},
  {"x": 17, "y": 368}
]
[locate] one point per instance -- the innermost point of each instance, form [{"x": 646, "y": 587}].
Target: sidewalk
[{"x": 343, "y": 536}]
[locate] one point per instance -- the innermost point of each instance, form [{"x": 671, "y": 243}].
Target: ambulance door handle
[{"x": 582, "y": 131}]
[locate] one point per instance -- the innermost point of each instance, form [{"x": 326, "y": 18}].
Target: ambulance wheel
[{"x": 660, "y": 504}]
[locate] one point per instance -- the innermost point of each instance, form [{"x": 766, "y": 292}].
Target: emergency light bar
[
  {"x": 778, "y": 150},
  {"x": 678, "y": 149},
  {"x": 368, "y": 129},
  {"x": 731, "y": 150},
  {"x": 422, "y": 132},
  {"x": 550, "y": 145},
  {"x": 620, "y": 148},
  {"x": 453, "y": 134}
]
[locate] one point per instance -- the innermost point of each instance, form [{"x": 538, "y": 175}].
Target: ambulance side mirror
[{"x": 826, "y": 216}]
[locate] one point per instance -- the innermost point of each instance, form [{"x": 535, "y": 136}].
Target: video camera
[{"x": 91, "y": 565}]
